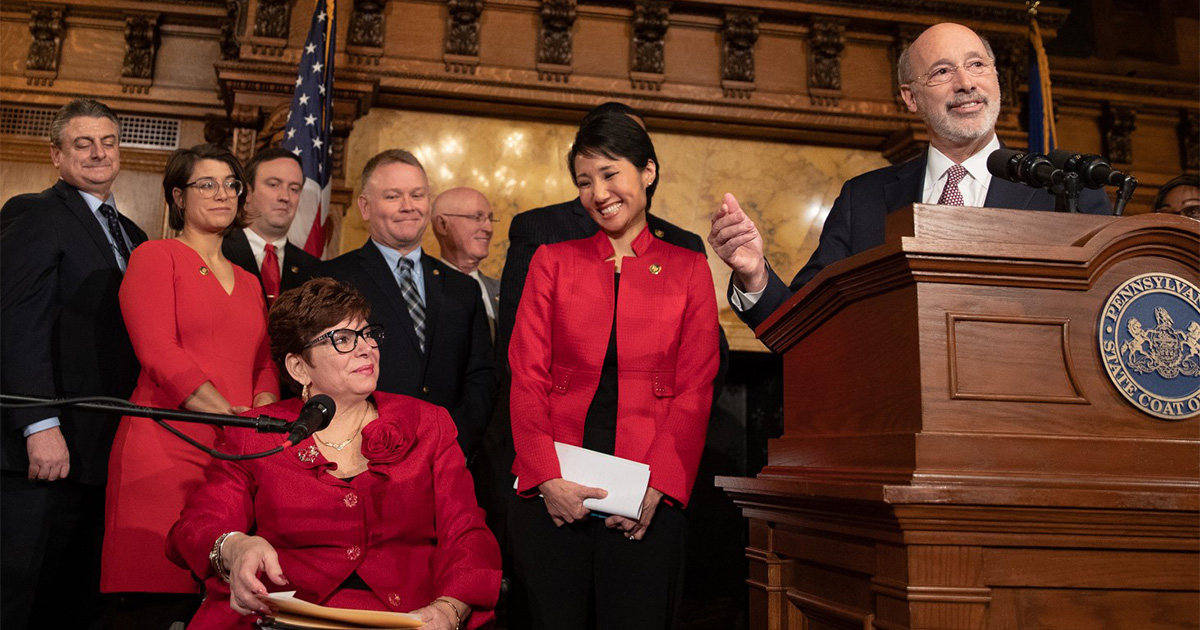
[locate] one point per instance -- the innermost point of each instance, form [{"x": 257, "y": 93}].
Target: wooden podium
[{"x": 955, "y": 455}]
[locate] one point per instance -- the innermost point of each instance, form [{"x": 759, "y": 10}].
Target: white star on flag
[{"x": 312, "y": 101}]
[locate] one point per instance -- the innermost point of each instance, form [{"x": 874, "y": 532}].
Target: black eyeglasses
[
  {"x": 478, "y": 217},
  {"x": 207, "y": 187},
  {"x": 346, "y": 339}
]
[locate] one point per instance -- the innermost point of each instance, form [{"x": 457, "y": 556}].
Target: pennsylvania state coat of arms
[{"x": 1150, "y": 344}]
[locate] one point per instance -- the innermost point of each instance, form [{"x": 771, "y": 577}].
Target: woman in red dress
[
  {"x": 376, "y": 511},
  {"x": 198, "y": 326},
  {"x": 615, "y": 350}
]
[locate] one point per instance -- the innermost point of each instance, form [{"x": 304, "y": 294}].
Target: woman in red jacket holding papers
[
  {"x": 615, "y": 350},
  {"x": 375, "y": 511}
]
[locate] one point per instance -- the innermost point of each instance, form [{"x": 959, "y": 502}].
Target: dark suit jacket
[
  {"x": 457, "y": 371},
  {"x": 61, "y": 331},
  {"x": 856, "y": 221},
  {"x": 298, "y": 265}
]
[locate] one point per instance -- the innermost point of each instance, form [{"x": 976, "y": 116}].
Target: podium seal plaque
[{"x": 1150, "y": 344}]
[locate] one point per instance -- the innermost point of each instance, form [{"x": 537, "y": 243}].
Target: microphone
[
  {"x": 314, "y": 416},
  {"x": 1093, "y": 170},
  {"x": 1031, "y": 169}
]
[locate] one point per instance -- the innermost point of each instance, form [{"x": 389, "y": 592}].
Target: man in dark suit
[
  {"x": 462, "y": 222},
  {"x": 63, "y": 253},
  {"x": 437, "y": 346},
  {"x": 275, "y": 181},
  {"x": 948, "y": 77}
]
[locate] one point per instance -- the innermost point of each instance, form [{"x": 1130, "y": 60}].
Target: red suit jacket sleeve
[{"x": 667, "y": 357}]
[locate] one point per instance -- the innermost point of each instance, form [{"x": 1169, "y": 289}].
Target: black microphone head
[
  {"x": 323, "y": 404},
  {"x": 1001, "y": 162},
  {"x": 1060, "y": 157}
]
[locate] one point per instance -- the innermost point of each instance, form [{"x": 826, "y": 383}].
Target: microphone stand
[
  {"x": 1124, "y": 194},
  {"x": 261, "y": 424},
  {"x": 1067, "y": 190}
]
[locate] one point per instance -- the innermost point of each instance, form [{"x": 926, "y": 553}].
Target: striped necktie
[
  {"x": 114, "y": 230},
  {"x": 412, "y": 298}
]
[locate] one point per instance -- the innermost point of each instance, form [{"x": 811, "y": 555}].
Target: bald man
[
  {"x": 948, "y": 78},
  {"x": 462, "y": 223}
]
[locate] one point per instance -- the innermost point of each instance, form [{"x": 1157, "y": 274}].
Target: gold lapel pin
[
  {"x": 659, "y": 233},
  {"x": 654, "y": 269},
  {"x": 203, "y": 270},
  {"x": 437, "y": 272},
  {"x": 294, "y": 269}
]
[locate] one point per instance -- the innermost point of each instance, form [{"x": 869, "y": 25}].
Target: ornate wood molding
[
  {"x": 739, "y": 32},
  {"x": 1189, "y": 139},
  {"x": 554, "y": 40},
  {"x": 1012, "y": 61},
  {"x": 46, "y": 26},
  {"x": 461, "y": 50},
  {"x": 272, "y": 22},
  {"x": 233, "y": 24},
  {"x": 364, "y": 40},
  {"x": 651, "y": 18},
  {"x": 141, "y": 43},
  {"x": 1119, "y": 123},
  {"x": 827, "y": 40}
]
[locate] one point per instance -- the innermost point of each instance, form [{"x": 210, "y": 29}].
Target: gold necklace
[{"x": 342, "y": 445}]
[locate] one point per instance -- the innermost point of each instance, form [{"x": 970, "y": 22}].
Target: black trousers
[
  {"x": 583, "y": 575},
  {"x": 50, "y": 537}
]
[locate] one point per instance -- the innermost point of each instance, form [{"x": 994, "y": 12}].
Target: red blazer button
[
  {"x": 354, "y": 552},
  {"x": 350, "y": 500},
  {"x": 394, "y": 599}
]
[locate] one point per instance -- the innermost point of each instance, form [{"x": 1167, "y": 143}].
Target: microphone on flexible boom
[{"x": 314, "y": 416}]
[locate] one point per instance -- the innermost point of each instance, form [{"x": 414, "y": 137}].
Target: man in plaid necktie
[
  {"x": 438, "y": 346},
  {"x": 948, "y": 77}
]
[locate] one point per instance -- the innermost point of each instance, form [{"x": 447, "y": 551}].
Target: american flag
[{"x": 310, "y": 127}]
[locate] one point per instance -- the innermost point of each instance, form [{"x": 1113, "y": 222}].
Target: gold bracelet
[{"x": 457, "y": 617}]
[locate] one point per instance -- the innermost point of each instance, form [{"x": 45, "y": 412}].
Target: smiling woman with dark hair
[
  {"x": 614, "y": 350},
  {"x": 198, "y": 325},
  {"x": 376, "y": 511}
]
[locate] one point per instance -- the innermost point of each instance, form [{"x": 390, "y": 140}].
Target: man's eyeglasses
[
  {"x": 478, "y": 217},
  {"x": 346, "y": 339},
  {"x": 207, "y": 187},
  {"x": 944, "y": 72}
]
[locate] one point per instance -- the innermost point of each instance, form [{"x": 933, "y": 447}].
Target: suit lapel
[
  {"x": 238, "y": 251},
  {"x": 1005, "y": 194},
  {"x": 79, "y": 208},
  {"x": 906, "y": 189},
  {"x": 583, "y": 220},
  {"x": 375, "y": 267},
  {"x": 435, "y": 288}
]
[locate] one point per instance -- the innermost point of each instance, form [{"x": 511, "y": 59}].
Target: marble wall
[{"x": 519, "y": 165}]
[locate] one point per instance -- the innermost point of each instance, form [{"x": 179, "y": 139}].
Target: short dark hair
[
  {"x": 302, "y": 313},
  {"x": 78, "y": 108},
  {"x": 179, "y": 172},
  {"x": 267, "y": 155},
  {"x": 609, "y": 108},
  {"x": 1187, "y": 179},
  {"x": 616, "y": 136},
  {"x": 390, "y": 156}
]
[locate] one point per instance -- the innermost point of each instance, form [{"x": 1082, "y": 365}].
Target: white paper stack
[{"x": 624, "y": 479}]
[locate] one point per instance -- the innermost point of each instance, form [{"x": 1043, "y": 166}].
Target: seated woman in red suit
[
  {"x": 615, "y": 350},
  {"x": 199, "y": 327},
  {"x": 376, "y": 511}
]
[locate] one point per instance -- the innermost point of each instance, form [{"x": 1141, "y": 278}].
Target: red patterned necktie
[
  {"x": 270, "y": 273},
  {"x": 951, "y": 195}
]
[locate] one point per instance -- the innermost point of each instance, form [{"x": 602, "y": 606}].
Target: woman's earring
[{"x": 304, "y": 393}]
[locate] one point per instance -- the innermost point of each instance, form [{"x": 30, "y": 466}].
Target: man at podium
[{"x": 948, "y": 77}]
